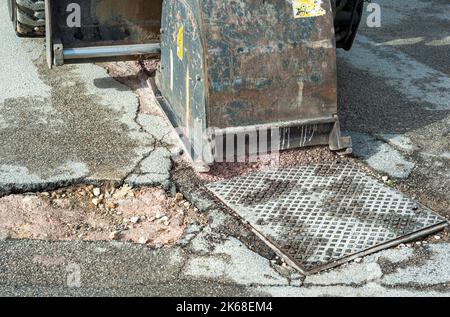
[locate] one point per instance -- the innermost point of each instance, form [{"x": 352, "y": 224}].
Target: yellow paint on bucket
[{"x": 180, "y": 42}]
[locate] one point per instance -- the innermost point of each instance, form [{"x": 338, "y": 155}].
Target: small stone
[
  {"x": 4, "y": 236},
  {"x": 164, "y": 219},
  {"x": 110, "y": 205},
  {"x": 437, "y": 238},
  {"x": 135, "y": 219},
  {"x": 178, "y": 197},
  {"x": 118, "y": 213},
  {"x": 96, "y": 191},
  {"x": 160, "y": 214},
  {"x": 358, "y": 260},
  {"x": 96, "y": 201},
  {"x": 115, "y": 235},
  {"x": 143, "y": 240},
  {"x": 385, "y": 178},
  {"x": 391, "y": 183},
  {"x": 167, "y": 223},
  {"x": 187, "y": 204},
  {"x": 418, "y": 243},
  {"x": 402, "y": 245}
]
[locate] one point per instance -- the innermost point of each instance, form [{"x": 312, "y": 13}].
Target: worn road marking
[{"x": 417, "y": 81}]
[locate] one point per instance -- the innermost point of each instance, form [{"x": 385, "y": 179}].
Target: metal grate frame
[{"x": 319, "y": 216}]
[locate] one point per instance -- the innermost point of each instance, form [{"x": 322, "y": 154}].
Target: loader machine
[{"x": 239, "y": 68}]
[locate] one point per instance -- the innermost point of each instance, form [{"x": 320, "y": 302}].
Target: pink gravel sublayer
[{"x": 37, "y": 217}]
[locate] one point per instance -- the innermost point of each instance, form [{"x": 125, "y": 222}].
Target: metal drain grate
[{"x": 322, "y": 215}]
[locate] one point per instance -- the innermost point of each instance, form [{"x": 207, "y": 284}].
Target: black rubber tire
[
  {"x": 28, "y": 17},
  {"x": 10, "y": 9}
]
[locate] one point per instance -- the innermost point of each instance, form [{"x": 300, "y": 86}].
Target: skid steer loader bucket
[
  {"x": 231, "y": 71},
  {"x": 242, "y": 68}
]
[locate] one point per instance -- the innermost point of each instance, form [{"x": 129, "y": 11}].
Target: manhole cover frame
[{"x": 425, "y": 231}]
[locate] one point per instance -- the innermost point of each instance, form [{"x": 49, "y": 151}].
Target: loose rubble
[{"x": 148, "y": 216}]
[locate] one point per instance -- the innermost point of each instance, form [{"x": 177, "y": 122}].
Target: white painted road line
[{"x": 416, "y": 81}]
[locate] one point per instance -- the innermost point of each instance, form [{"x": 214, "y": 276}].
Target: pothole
[{"x": 146, "y": 215}]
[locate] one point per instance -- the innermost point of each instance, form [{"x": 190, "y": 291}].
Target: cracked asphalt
[
  {"x": 73, "y": 124},
  {"x": 76, "y": 124}
]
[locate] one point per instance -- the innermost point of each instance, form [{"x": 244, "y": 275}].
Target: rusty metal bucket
[{"x": 235, "y": 67}]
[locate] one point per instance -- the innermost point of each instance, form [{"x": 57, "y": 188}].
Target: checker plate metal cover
[{"x": 322, "y": 215}]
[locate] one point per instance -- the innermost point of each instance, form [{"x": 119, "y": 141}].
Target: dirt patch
[{"x": 143, "y": 215}]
